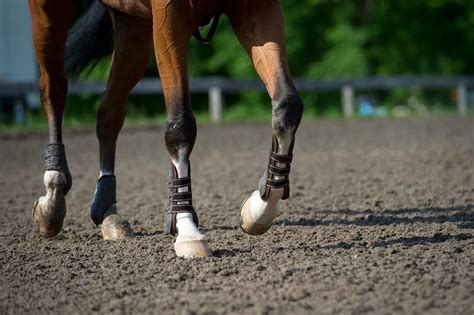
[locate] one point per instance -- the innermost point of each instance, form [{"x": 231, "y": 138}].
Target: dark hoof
[{"x": 48, "y": 215}]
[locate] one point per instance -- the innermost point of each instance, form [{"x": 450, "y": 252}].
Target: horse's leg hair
[
  {"x": 260, "y": 28},
  {"x": 50, "y": 23},
  {"x": 129, "y": 60},
  {"x": 172, "y": 30}
]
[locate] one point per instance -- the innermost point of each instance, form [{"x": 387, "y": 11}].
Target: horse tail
[{"x": 90, "y": 38}]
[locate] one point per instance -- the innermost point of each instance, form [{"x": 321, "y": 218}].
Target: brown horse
[{"x": 131, "y": 26}]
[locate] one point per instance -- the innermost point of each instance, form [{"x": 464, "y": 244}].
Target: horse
[{"x": 70, "y": 36}]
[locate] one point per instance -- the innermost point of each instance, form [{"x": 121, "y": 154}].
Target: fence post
[
  {"x": 348, "y": 100},
  {"x": 215, "y": 104},
  {"x": 461, "y": 96}
]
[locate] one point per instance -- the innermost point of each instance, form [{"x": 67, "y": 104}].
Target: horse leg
[
  {"x": 172, "y": 29},
  {"x": 50, "y": 23},
  {"x": 260, "y": 29},
  {"x": 130, "y": 58}
]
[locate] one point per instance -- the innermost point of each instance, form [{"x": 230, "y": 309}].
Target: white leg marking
[
  {"x": 53, "y": 180},
  {"x": 187, "y": 229}
]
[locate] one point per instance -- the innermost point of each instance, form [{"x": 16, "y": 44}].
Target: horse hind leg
[
  {"x": 130, "y": 58},
  {"x": 260, "y": 30},
  {"x": 50, "y": 22}
]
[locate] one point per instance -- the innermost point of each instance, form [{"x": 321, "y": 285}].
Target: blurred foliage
[
  {"x": 336, "y": 39},
  {"x": 341, "y": 38}
]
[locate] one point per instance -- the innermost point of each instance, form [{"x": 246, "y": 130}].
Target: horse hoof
[
  {"x": 48, "y": 215},
  {"x": 114, "y": 228},
  {"x": 248, "y": 224},
  {"x": 192, "y": 249}
]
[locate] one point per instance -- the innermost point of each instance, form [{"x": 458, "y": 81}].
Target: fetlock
[
  {"x": 55, "y": 160},
  {"x": 54, "y": 181}
]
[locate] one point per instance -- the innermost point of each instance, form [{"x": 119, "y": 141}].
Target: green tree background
[{"x": 342, "y": 38}]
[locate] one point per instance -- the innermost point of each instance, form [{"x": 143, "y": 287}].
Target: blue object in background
[{"x": 366, "y": 109}]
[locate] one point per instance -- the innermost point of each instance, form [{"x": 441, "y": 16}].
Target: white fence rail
[{"x": 216, "y": 87}]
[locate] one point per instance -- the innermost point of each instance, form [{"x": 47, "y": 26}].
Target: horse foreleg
[
  {"x": 50, "y": 22},
  {"x": 260, "y": 29},
  {"x": 172, "y": 29},
  {"x": 130, "y": 58}
]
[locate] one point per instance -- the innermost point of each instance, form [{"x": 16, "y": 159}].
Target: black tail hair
[{"x": 90, "y": 39}]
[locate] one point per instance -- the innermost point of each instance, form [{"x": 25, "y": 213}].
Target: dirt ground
[{"x": 380, "y": 220}]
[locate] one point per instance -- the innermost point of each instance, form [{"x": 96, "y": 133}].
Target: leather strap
[
  {"x": 179, "y": 202},
  {"x": 279, "y": 170},
  {"x": 207, "y": 40},
  {"x": 274, "y": 169},
  {"x": 55, "y": 160}
]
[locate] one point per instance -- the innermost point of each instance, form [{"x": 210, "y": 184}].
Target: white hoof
[
  {"x": 256, "y": 215},
  {"x": 190, "y": 242},
  {"x": 192, "y": 249}
]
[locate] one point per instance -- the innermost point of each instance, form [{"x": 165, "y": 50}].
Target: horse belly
[{"x": 141, "y": 8}]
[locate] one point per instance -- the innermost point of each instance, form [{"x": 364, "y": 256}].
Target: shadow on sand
[
  {"x": 462, "y": 214},
  {"x": 405, "y": 241}
]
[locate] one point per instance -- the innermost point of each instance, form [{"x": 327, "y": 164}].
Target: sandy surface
[{"x": 380, "y": 220}]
